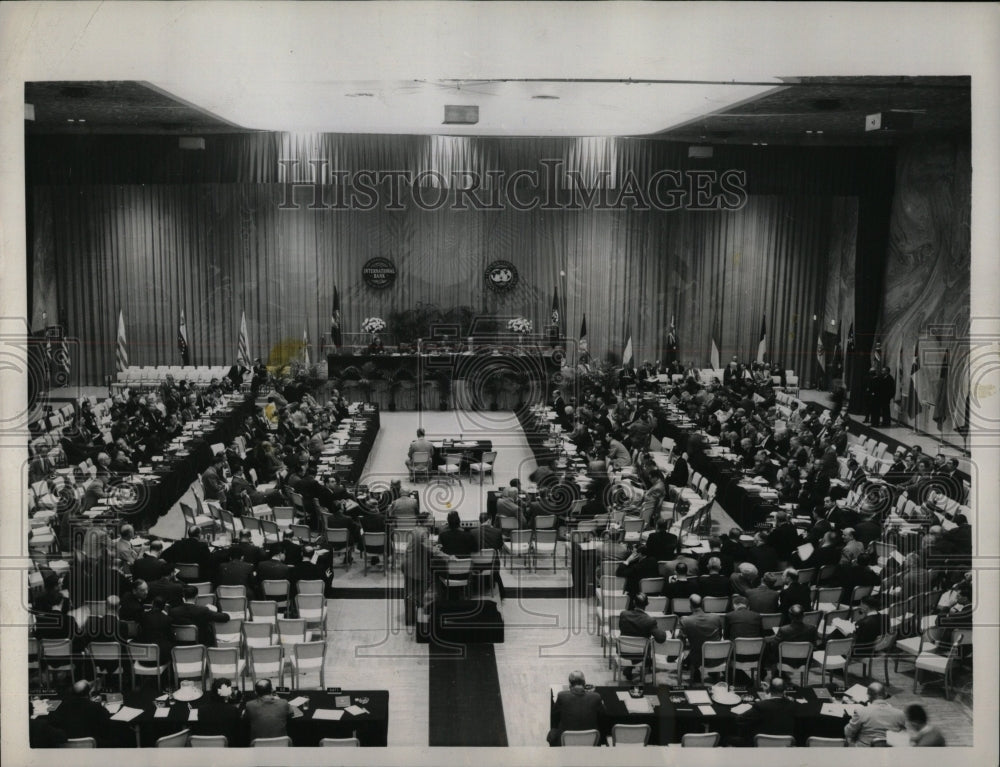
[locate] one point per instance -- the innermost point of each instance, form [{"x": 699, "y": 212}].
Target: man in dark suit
[
  {"x": 455, "y": 540},
  {"x": 214, "y": 480},
  {"x": 744, "y": 578},
  {"x": 576, "y": 709},
  {"x": 796, "y": 630},
  {"x": 699, "y": 627},
  {"x": 156, "y": 628},
  {"x": 636, "y": 622},
  {"x": 80, "y": 717},
  {"x": 678, "y": 585},
  {"x": 784, "y": 538},
  {"x": 150, "y": 566},
  {"x": 762, "y": 598},
  {"x": 635, "y": 568},
  {"x": 487, "y": 536},
  {"x": 680, "y": 473},
  {"x": 188, "y": 613},
  {"x": 273, "y": 569},
  {"x": 191, "y": 549},
  {"x": 249, "y": 552},
  {"x": 307, "y": 570},
  {"x": 763, "y": 555},
  {"x": 661, "y": 545},
  {"x": 236, "y": 572},
  {"x": 713, "y": 583},
  {"x": 104, "y": 628},
  {"x": 793, "y": 593},
  {"x": 742, "y": 621},
  {"x": 133, "y": 603},
  {"x": 772, "y": 714},
  {"x": 857, "y": 574},
  {"x": 291, "y": 548},
  {"x": 169, "y": 589}
]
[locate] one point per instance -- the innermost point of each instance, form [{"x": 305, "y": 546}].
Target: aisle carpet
[{"x": 466, "y": 708}]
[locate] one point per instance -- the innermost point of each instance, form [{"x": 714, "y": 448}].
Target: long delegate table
[
  {"x": 670, "y": 716},
  {"x": 370, "y": 728},
  {"x": 355, "y": 438}
]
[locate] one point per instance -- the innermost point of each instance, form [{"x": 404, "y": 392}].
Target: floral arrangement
[
  {"x": 373, "y": 325},
  {"x": 520, "y": 325}
]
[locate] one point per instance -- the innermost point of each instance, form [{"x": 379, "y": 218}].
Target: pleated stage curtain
[{"x": 139, "y": 226}]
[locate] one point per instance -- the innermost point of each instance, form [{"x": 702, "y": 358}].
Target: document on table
[
  {"x": 638, "y": 706},
  {"x": 706, "y": 710},
  {"x": 160, "y": 713},
  {"x": 297, "y": 702},
  {"x": 898, "y": 739},
  {"x": 697, "y": 697},
  {"x": 193, "y": 716},
  {"x": 832, "y": 709},
  {"x": 127, "y": 713},
  {"x": 858, "y": 692},
  {"x": 356, "y": 710},
  {"x": 741, "y": 709},
  {"x": 846, "y": 628},
  {"x": 327, "y": 713},
  {"x": 805, "y": 551}
]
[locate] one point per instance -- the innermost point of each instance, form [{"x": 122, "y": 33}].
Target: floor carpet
[{"x": 466, "y": 708}]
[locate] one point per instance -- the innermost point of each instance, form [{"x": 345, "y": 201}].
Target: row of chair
[
  {"x": 638, "y": 735},
  {"x": 184, "y": 739}
]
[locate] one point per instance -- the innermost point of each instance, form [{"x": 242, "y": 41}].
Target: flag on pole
[
  {"x": 762, "y": 343},
  {"x": 182, "y": 341},
  {"x": 821, "y": 351},
  {"x": 62, "y": 357},
  {"x": 838, "y": 354},
  {"x": 913, "y": 406},
  {"x": 583, "y": 335},
  {"x": 121, "y": 356},
  {"x": 336, "y": 336},
  {"x": 671, "y": 355},
  {"x": 243, "y": 345},
  {"x": 941, "y": 403},
  {"x": 877, "y": 355},
  {"x": 305, "y": 347},
  {"x": 627, "y": 354},
  {"x": 555, "y": 306}
]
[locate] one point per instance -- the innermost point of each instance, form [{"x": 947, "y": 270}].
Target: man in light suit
[
  {"x": 214, "y": 480},
  {"x": 871, "y": 722},
  {"x": 420, "y": 445}
]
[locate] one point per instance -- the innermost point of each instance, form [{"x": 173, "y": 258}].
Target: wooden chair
[
  {"x": 106, "y": 660},
  {"x": 748, "y": 654},
  {"x": 232, "y": 605},
  {"x": 277, "y": 590},
  {"x": 226, "y": 663},
  {"x": 374, "y": 548},
  {"x": 312, "y": 609},
  {"x": 795, "y": 651},
  {"x": 935, "y": 662},
  {"x": 543, "y": 544},
  {"x": 835, "y": 656},
  {"x": 420, "y": 463},
  {"x": 484, "y": 466},
  {"x": 339, "y": 743},
  {"x": 628, "y": 649},
  {"x": 668, "y": 657},
  {"x": 266, "y": 663},
  {"x": 814, "y": 741},
  {"x": 189, "y": 663},
  {"x": 451, "y": 468},
  {"x": 715, "y": 657},
  {"x": 56, "y": 655},
  {"x": 80, "y": 743}
]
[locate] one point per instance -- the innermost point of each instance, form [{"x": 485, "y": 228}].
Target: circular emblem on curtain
[
  {"x": 378, "y": 273},
  {"x": 501, "y": 276}
]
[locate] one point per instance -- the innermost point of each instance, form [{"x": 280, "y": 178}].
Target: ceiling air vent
[{"x": 461, "y": 115}]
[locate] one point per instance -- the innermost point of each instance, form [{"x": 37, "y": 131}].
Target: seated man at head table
[
  {"x": 871, "y": 722},
  {"x": 576, "y": 709},
  {"x": 772, "y": 714},
  {"x": 420, "y": 445},
  {"x": 267, "y": 714}
]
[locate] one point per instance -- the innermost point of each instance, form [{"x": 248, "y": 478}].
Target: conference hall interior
[{"x": 500, "y": 411}]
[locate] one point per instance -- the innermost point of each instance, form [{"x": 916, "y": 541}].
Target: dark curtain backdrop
[{"x": 133, "y": 223}]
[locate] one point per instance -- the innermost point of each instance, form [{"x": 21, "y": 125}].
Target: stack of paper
[
  {"x": 127, "y": 713},
  {"x": 327, "y": 713},
  {"x": 832, "y": 709},
  {"x": 706, "y": 710},
  {"x": 697, "y": 697},
  {"x": 846, "y": 628},
  {"x": 297, "y": 702},
  {"x": 741, "y": 709},
  {"x": 356, "y": 710},
  {"x": 638, "y": 706}
]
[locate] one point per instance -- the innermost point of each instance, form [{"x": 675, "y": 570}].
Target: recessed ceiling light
[
  {"x": 70, "y": 120},
  {"x": 81, "y": 120},
  {"x": 819, "y": 131},
  {"x": 808, "y": 131},
  {"x": 359, "y": 95},
  {"x": 545, "y": 96}
]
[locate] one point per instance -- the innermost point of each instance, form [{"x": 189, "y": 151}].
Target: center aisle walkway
[{"x": 398, "y": 430}]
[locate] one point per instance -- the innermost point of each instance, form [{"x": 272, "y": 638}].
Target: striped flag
[
  {"x": 899, "y": 376},
  {"x": 554, "y": 317},
  {"x": 243, "y": 345},
  {"x": 762, "y": 343},
  {"x": 714, "y": 352},
  {"x": 305, "y": 347},
  {"x": 913, "y": 406},
  {"x": 336, "y": 336},
  {"x": 62, "y": 357},
  {"x": 583, "y": 335},
  {"x": 821, "y": 351},
  {"x": 627, "y": 357},
  {"x": 121, "y": 355},
  {"x": 182, "y": 341}
]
